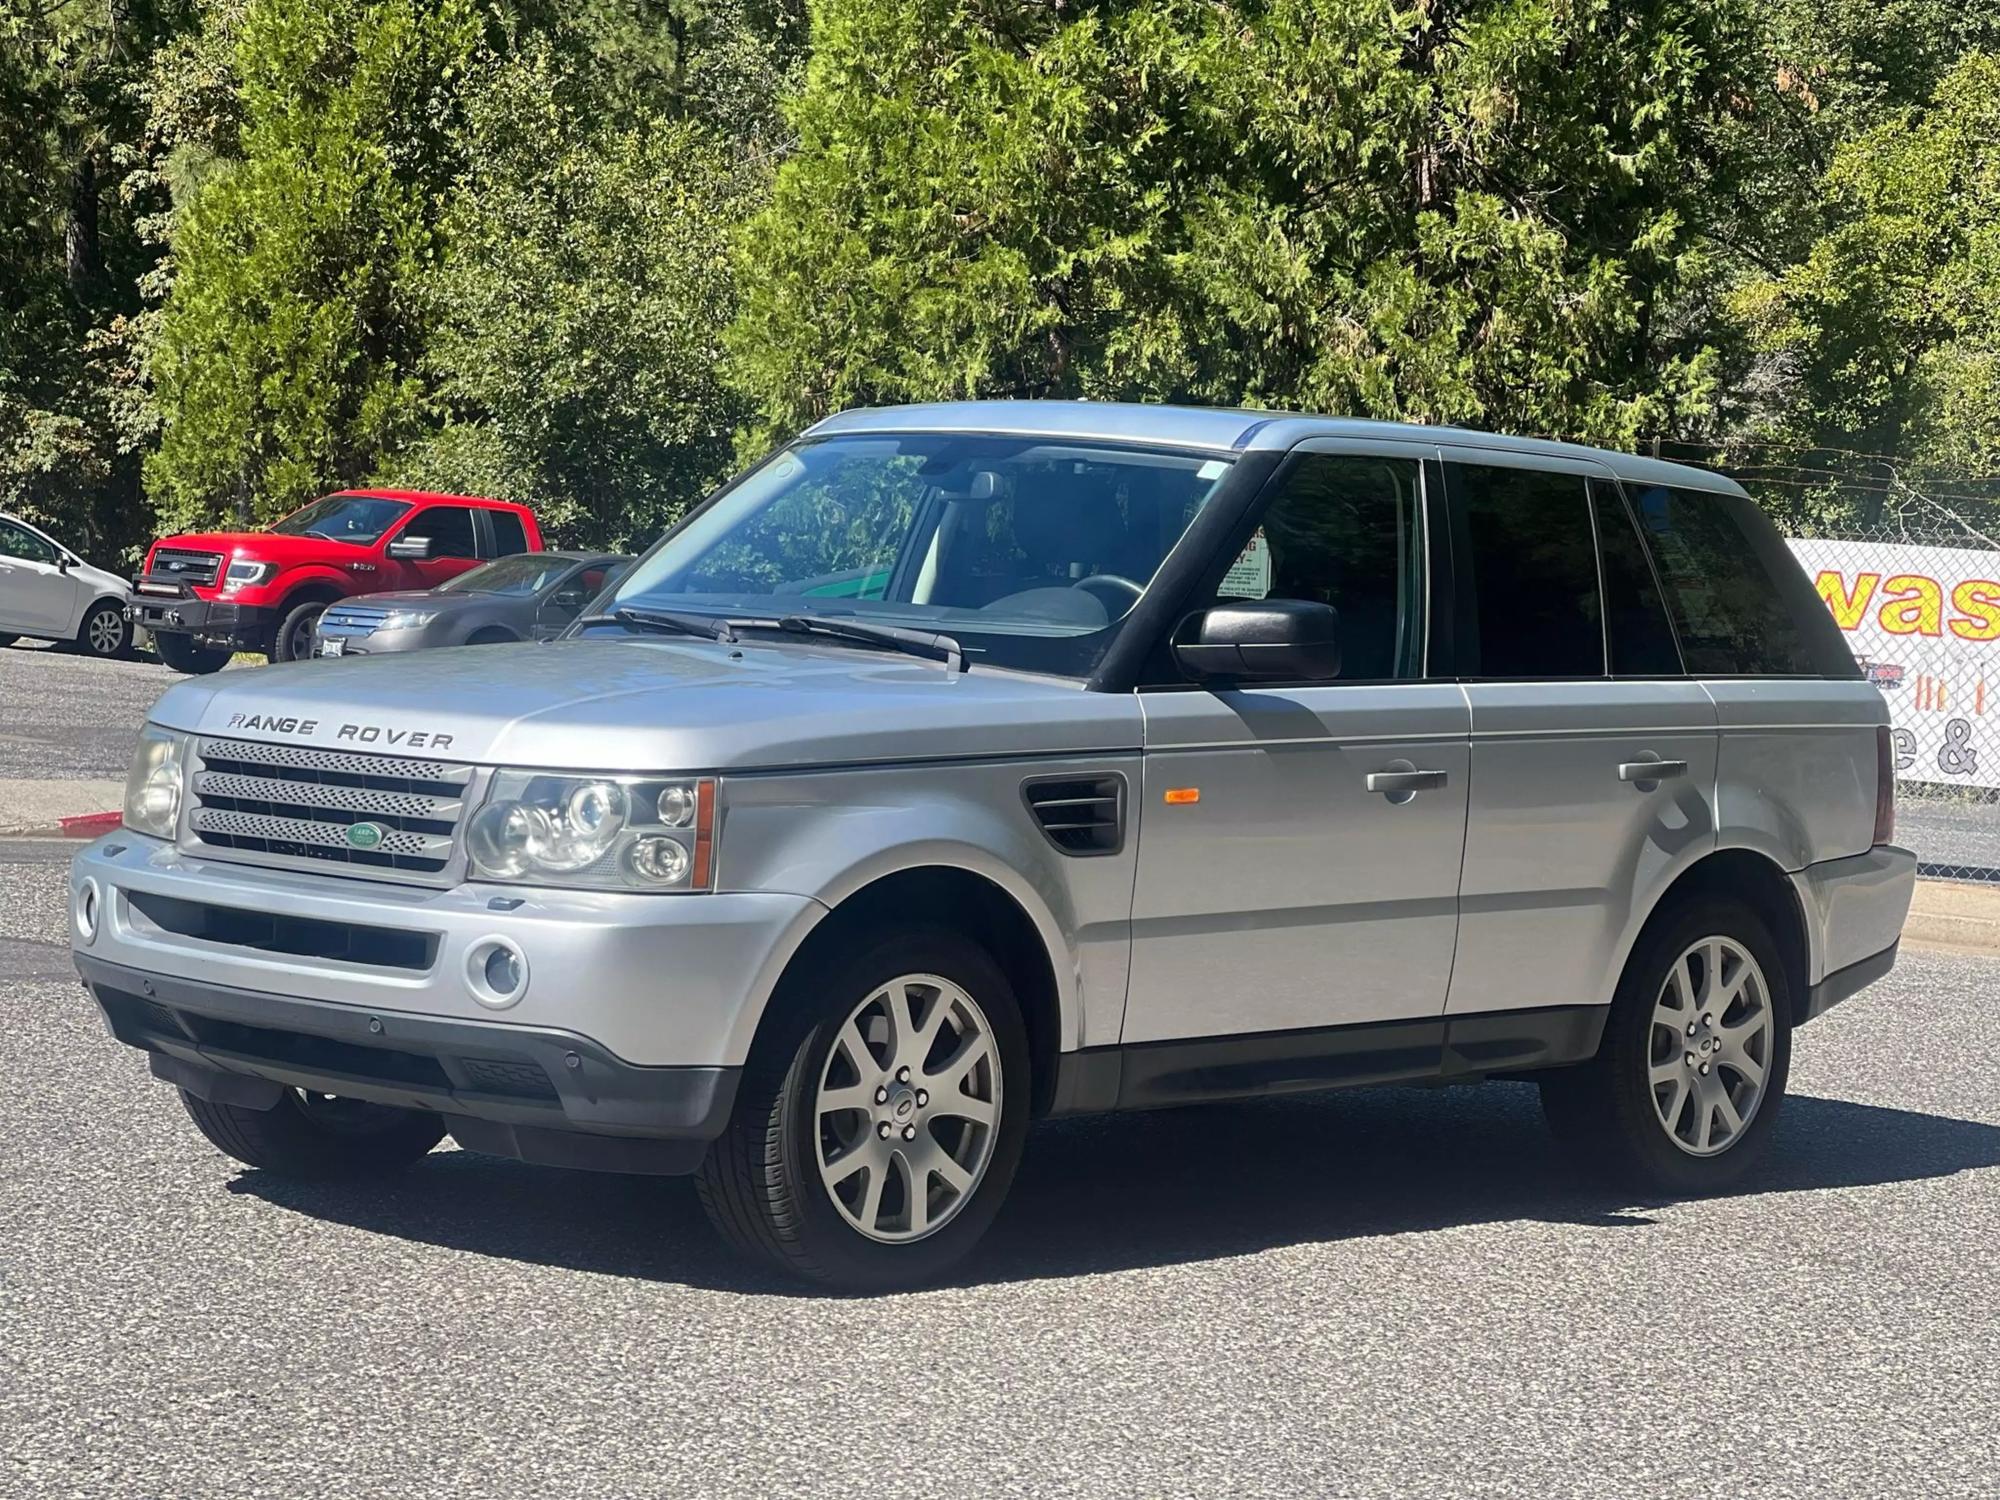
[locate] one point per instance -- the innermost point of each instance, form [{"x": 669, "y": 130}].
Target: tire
[
  {"x": 321, "y": 1137},
  {"x": 1612, "y": 1114},
  {"x": 185, "y": 654},
  {"x": 292, "y": 640},
  {"x": 104, "y": 633},
  {"x": 761, "y": 1182}
]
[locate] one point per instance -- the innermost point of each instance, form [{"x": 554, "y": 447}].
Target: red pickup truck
[{"x": 207, "y": 595}]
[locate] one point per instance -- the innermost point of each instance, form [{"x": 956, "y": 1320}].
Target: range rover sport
[{"x": 961, "y": 765}]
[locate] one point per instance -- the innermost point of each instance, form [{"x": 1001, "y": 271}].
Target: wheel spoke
[
  {"x": 854, "y": 1096},
  {"x": 847, "y": 1164},
  {"x": 871, "y": 1196},
  {"x": 1671, "y": 1114},
  {"x": 1704, "y": 1119},
  {"x": 1745, "y": 1067},
  {"x": 1726, "y": 1107},
  {"x": 1674, "y": 1068},
  {"x": 946, "y": 1166},
  {"x": 856, "y": 1047},
  {"x": 952, "y": 1072},
  {"x": 963, "y": 1107},
  {"x": 917, "y": 1186}
]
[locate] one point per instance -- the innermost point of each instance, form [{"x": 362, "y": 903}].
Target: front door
[
  {"x": 454, "y": 550},
  {"x": 1299, "y": 844},
  {"x": 1593, "y": 755},
  {"x": 37, "y": 596}
]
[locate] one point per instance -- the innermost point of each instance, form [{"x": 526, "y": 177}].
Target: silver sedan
[{"x": 530, "y": 596}]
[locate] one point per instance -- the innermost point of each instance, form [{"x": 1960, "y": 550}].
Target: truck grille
[
  {"x": 284, "y": 804},
  {"x": 200, "y": 569}
]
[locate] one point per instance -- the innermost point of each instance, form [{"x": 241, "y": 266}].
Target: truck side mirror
[
  {"x": 1272, "y": 640},
  {"x": 410, "y": 548}
]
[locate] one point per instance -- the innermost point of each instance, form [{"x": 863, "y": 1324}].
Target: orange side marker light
[{"x": 1183, "y": 796}]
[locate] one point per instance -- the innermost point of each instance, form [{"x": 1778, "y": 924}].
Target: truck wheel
[
  {"x": 105, "y": 632},
  {"x": 185, "y": 654},
  {"x": 1686, "y": 1085},
  {"x": 317, "y": 1135},
  {"x": 876, "y": 1133},
  {"x": 292, "y": 640}
]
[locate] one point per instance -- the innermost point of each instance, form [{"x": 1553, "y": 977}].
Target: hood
[
  {"x": 412, "y": 599},
  {"x": 648, "y": 703},
  {"x": 258, "y": 546}
]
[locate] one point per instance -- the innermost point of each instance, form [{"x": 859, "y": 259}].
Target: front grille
[
  {"x": 198, "y": 568},
  {"x": 292, "y": 803},
  {"x": 348, "y": 619}
]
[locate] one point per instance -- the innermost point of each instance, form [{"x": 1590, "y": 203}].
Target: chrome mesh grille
[
  {"x": 287, "y": 804},
  {"x": 198, "y": 568}
]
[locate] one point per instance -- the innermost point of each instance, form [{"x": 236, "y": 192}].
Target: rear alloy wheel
[
  {"x": 877, "y": 1131},
  {"x": 292, "y": 641},
  {"x": 318, "y": 1135},
  {"x": 1682, "y": 1094},
  {"x": 105, "y": 632}
]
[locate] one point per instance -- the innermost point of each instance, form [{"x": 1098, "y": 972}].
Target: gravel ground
[{"x": 1393, "y": 1292}]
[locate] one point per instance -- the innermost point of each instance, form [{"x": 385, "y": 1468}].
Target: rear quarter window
[{"x": 1740, "y": 606}]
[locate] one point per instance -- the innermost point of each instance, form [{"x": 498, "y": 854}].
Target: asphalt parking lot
[{"x": 1388, "y": 1292}]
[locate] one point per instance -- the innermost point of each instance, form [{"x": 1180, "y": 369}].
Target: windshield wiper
[
  {"x": 712, "y": 627},
  {"x": 928, "y": 644}
]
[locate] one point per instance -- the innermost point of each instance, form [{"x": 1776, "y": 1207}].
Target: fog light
[
  {"x": 87, "y": 909},
  {"x": 496, "y": 971}
]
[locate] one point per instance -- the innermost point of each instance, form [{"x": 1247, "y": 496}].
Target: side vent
[{"x": 1079, "y": 814}]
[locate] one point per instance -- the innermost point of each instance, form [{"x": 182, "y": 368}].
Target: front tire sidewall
[
  {"x": 185, "y": 654},
  {"x": 825, "y": 1247},
  {"x": 293, "y": 638},
  {"x": 1605, "y": 1111},
  {"x": 121, "y": 643}
]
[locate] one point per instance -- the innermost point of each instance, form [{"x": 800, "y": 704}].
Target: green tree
[
  {"x": 1452, "y": 211},
  {"x": 1888, "y": 329},
  {"x": 579, "y": 315},
  {"x": 286, "y": 359}
]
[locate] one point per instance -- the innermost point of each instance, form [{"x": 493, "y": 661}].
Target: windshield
[
  {"x": 1030, "y": 551},
  {"x": 521, "y": 575},
  {"x": 360, "y": 519}
]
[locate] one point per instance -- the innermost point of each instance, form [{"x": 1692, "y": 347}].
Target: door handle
[
  {"x": 1401, "y": 783},
  {"x": 1651, "y": 770}
]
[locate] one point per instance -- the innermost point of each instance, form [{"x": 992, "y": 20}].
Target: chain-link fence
[{"x": 1918, "y": 598}]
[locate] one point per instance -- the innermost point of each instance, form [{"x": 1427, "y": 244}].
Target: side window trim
[{"x": 1631, "y": 514}]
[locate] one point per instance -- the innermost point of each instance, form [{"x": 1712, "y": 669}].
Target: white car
[{"x": 46, "y": 590}]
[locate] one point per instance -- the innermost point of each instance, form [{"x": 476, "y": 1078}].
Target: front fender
[{"x": 829, "y": 835}]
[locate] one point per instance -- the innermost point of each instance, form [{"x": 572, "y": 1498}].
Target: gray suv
[{"x": 963, "y": 765}]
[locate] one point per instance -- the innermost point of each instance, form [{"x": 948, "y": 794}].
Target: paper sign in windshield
[{"x": 1249, "y": 577}]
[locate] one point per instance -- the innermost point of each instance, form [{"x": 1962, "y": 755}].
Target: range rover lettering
[{"x": 963, "y": 765}]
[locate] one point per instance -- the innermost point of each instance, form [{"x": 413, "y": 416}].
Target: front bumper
[
  {"x": 215, "y": 622},
  {"x": 655, "y": 981},
  {"x": 537, "y": 1093}
]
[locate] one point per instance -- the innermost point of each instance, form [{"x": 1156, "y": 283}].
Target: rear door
[
  {"x": 1571, "y": 832},
  {"x": 1283, "y": 885}
]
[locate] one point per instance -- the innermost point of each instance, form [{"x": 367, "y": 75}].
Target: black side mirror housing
[
  {"x": 1269, "y": 640},
  {"x": 410, "y": 548},
  {"x": 570, "y": 600}
]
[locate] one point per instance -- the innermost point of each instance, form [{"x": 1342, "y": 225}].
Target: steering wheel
[{"x": 1114, "y": 591}]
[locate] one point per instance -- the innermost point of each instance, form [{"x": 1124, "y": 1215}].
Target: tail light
[{"x": 1885, "y": 785}]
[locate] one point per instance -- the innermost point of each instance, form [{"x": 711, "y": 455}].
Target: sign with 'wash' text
[{"x": 1924, "y": 622}]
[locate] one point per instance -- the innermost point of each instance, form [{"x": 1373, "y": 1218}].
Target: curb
[
  {"x": 1954, "y": 915},
  {"x": 82, "y": 826}
]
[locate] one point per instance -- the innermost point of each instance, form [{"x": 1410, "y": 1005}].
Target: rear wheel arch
[
  {"x": 960, "y": 900},
  {"x": 1760, "y": 883}
]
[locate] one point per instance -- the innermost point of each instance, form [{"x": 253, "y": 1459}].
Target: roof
[
  {"x": 1219, "y": 429},
  {"x": 432, "y": 495}
]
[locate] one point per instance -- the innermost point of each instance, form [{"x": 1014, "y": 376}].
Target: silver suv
[{"x": 963, "y": 765}]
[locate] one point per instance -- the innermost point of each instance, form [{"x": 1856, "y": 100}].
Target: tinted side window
[
  {"x": 450, "y": 529},
  {"x": 1527, "y": 571},
  {"x": 1641, "y": 640},
  {"x": 509, "y": 536},
  {"x": 1346, "y": 530},
  {"x": 1731, "y": 617}
]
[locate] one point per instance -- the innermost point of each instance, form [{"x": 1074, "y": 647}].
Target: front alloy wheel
[
  {"x": 881, "y": 1116},
  {"x": 907, "y": 1108}
]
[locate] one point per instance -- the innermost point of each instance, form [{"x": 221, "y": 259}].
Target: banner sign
[{"x": 1924, "y": 622}]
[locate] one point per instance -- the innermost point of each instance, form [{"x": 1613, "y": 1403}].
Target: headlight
[
  {"x": 243, "y": 574},
  {"x": 153, "y": 789},
  {"x": 641, "y": 833},
  {"x": 406, "y": 619}
]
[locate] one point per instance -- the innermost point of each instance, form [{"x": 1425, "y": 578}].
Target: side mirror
[
  {"x": 568, "y": 601},
  {"x": 1273, "y": 640},
  {"x": 410, "y": 548},
  {"x": 64, "y": 562}
]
